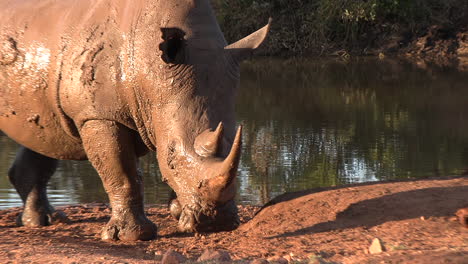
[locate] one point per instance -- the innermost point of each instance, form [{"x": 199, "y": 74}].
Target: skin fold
[{"x": 109, "y": 81}]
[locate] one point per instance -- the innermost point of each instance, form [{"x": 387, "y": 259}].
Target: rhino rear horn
[
  {"x": 207, "y": 144},
  {"x": 245, "y": 48}
]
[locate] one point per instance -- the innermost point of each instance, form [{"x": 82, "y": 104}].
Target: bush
[{"x": 321, "y": 26}]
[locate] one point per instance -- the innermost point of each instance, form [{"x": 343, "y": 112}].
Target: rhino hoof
[
  {"x": 120, "y": 230},
  {"x": 57, "y": 217},
  {"x": 36, "y": 219}
]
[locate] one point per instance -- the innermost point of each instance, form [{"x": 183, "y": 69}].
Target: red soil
[{"x": 413, "y": 219}]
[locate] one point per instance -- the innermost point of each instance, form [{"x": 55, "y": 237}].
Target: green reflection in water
[
  {"x": 311, "y": 123},
  {"x": 325, "y": 123}
]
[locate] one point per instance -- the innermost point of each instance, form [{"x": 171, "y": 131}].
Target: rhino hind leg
[
  {"x": 29, "y": 174},
  {"x": 111, "y": 149}
]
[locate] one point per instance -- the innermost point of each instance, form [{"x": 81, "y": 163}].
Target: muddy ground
[{"x": 413, "y": 219}]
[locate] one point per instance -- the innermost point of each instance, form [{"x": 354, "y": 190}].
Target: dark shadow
[
  {"x": 91, "y": 219},
  {"x": 177, "y": 234},
  {"x": 173, "y": 46},
  {"x": 429, "y": 202},
  {"x": 12, "y": 225},
  {"x": 293, "y": 195}
]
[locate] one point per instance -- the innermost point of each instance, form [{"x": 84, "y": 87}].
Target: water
[{"x": 311, "y": 123}]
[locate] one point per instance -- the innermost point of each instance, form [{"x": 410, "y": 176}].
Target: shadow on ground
[{"x": 429, "y": 202}]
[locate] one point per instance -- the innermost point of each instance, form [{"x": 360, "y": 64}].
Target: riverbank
[
  {"x": 413, "y": 220},
  {"x": 423, "y": 31}
]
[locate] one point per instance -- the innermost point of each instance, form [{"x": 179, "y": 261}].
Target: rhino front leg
[
  {"x": 29, "y": 174},
  {"x": 111, "y": 149}
]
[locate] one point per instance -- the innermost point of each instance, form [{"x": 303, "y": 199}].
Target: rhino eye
[{"x": 173, "y": 45}]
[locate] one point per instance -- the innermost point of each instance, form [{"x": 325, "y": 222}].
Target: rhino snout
[{"x": 219, "y": 218}]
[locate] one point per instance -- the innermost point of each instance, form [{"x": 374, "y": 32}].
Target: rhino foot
[
  {"x": 129, "y": 230},
  {"x": 38, "y": 218}
]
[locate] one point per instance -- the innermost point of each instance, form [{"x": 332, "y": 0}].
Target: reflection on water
[{"x": 317, "y": 123}]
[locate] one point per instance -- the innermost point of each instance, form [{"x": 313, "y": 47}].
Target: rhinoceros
[{"x": 110, "y": 80}]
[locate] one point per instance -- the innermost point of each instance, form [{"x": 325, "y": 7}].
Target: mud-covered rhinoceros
[{"x": 109, "y": 80}]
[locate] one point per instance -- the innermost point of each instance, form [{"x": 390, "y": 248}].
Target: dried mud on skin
[{"x": 413, "y": 220}]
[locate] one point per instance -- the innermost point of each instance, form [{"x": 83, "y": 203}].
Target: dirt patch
[
  {"x": 439, "y": 46},
  {"x": 413, "y": 220}
]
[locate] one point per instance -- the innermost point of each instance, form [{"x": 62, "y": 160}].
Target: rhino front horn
[
  {"x": 225, "y": 174},
  {"x": 230, "y": 164}
]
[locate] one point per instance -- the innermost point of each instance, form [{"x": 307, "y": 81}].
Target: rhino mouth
[{"x": 198, "y": 218}]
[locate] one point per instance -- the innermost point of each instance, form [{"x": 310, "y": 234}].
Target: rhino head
[{"x": 186, "y": 86}]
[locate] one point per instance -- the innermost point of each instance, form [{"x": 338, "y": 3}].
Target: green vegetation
[{"x": 322, "y": 26}]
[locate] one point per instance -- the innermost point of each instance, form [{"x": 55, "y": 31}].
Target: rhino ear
[{"x": 245, "y": 48}]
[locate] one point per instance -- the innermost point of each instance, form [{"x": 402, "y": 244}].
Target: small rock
[
  {"x": 215, "y": 255},
  {"x": 278, "y": 260},
  {"x": 259, "y": 261},
  {"x": 462, "y": 216},
  {"x": 173, "y": 257},
  {"x": 158, "y": 255},
  {"x": 376, "y": 247},
  {"x": 423, "y": 218}
]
